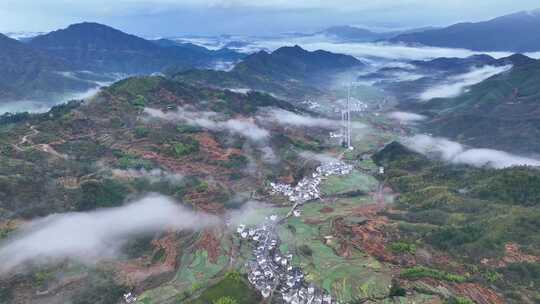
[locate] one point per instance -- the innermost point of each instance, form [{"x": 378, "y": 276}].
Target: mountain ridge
[
  {"x": 514, "y": 32},
  {"x": 287, "y": 71},
  {"x": 500, "y": 112},
  {"x": 97, "y": 47}
]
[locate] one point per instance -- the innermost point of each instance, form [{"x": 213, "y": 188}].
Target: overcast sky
[{"x": 173, "y": 17}]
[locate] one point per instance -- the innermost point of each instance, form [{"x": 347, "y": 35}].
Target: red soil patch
[
  {"x": 313, "y": 221},
  {"x": 211, "y": 244},
  {"x": 472, "y": 291},
  {"x": 287, "y": 179},
  {"x": 167, "y": 96},
  {"x": 211, "y": 147},
  {"x": 135, "y": 272},
  {"x": 170, "y": 245},
  {"x": 513, "y": 254},
  {"x": 326, "y": 209},
  {"x": 478, "y": 294},
  {"x": 182, "y": 165},
  {"x": 370, "y": 236}
]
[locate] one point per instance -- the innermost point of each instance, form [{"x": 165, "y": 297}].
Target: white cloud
[
  {"x": 456, "y": 153},
  {"x": 42, "y": 106},
  {"x": 360, "y": 50},
  {"x": 456, "y": 85},
  {"x": 209, "y": 120},
  {"x": 153, "y": 176},
  {"x": 406, "y": 117},
  {"x": 320, "y": 157},
  {"x": 91, "y": 236},
  {"x": 293, "y": 119}
]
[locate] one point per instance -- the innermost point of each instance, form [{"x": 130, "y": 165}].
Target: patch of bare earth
[
  {"x": 141, "y": 272},
  {"x": 210, "y": 242},
  {"x": 212, "y": 148},
  {"x": 513, "y": 254}
]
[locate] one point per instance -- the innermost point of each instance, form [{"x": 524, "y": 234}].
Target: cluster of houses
[
  {"x": 272, "y": 273},
  {"x": 358, "y": 106},
  {"x": 130, "y": 298},
  {"x": 309, "y": 187}
]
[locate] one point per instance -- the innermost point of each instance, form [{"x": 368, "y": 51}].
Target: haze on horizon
[{"x": 176, "y": 17}]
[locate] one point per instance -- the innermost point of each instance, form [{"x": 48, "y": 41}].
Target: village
[{"x": 270, "y": 270}]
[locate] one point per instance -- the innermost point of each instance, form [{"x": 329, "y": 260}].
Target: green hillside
[
  {"x": 501, "y": 112},
  {"x": 472, "y": 214}
]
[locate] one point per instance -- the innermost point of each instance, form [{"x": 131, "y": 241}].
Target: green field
[
  {"x": 357, "y": 276},
  {"x": 356, "y": 181}
]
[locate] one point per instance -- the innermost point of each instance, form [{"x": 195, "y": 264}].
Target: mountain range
[
  {"x": 409, "y": 81},
  {"x": 28, "y": 72},
  {"x": 97, "y": 47},
  {"x": 348, "y": 33},
  {"x": 287, "y": 71},
  {"x": 51, "y": 63},
  {"x": 519, "y": 32}
]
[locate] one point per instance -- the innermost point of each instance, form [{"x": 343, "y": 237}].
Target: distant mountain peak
[
  {"x": 290, "y": 50},
  {"x": 91, "y": 35},
  {"x": 88, "y": 24},
  {"x": 517, "y": 32},
  {"x": 92, "y": 26}
]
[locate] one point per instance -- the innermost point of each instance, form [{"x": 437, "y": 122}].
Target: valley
[{"x": 342, "y": 165}]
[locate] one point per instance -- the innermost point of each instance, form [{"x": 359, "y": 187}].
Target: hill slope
[
  {"x": 26, "y": 72},
  {"x": 97, "y": 47},
  {"x": 517, "y": 32},
  {"x": 501, "y": 112},
  {"x": 483, "y": 216}
]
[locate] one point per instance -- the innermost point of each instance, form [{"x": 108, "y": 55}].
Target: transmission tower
[{"x": 346, "y": 121}]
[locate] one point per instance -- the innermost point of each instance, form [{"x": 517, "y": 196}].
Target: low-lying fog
[
  {"x": 42, "y": 106},
  {"x": 90, "y": 237},
  {"x": 455, "y": 152},
  {"x": 406, "y": 117},
  {"x": 210, "y": 120},
  {"x": 383, "y": 50},
  {"x": 455, "y": 85}
]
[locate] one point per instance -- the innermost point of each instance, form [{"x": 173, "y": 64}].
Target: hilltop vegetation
[
  {"x": 500, "y": 112},
  {"x": 53, "y": 169}
]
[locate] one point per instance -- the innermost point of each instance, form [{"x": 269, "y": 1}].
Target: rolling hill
[
  {"x": 287, "y": 71},
  {"x": 517, "y": 32}
]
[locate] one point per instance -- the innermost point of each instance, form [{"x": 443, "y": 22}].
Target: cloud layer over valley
[
  {"x": 209, "y": 120},
  {"x": 456, "y": 153},
  {"x": 288, "y": 118},
  {"x": 456, "y": 85},
  {"x": 406, "y": 117}
]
